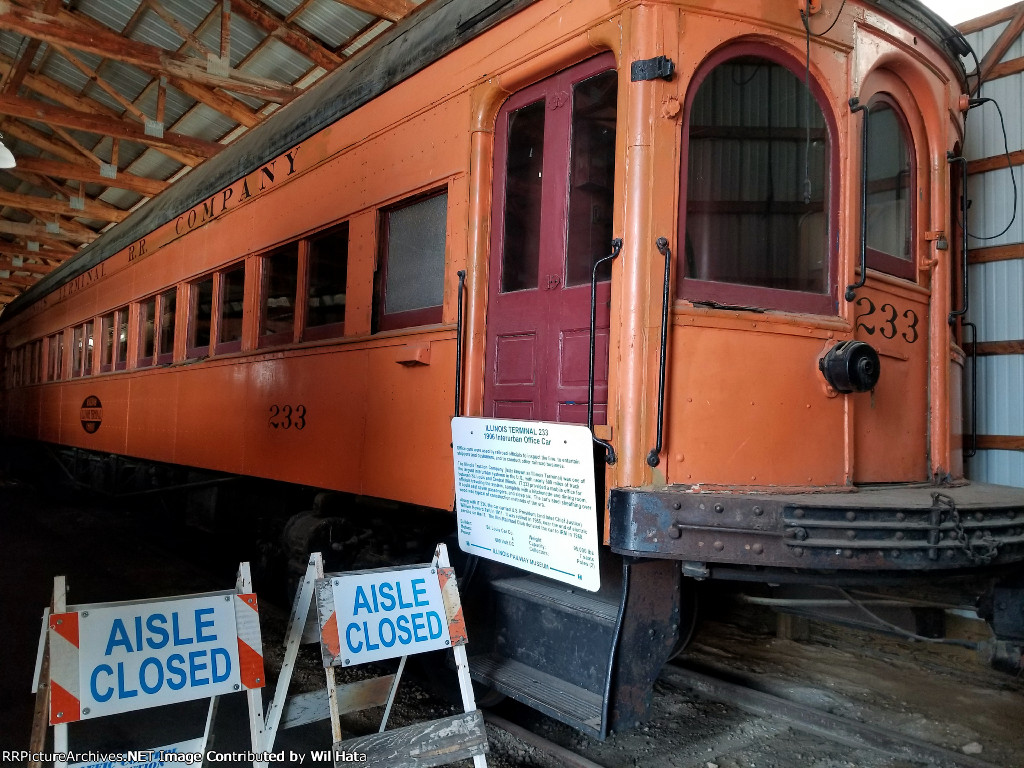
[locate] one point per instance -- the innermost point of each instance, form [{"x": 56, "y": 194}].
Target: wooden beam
[
  {"x": 392, "y": 10},
  {"x": 7, "y": 262},
  {"x": 290, "y": 34},
  {"x": 1000, "y": 443},
  {"x": 989, "y": 348},
  {"x": 995, "y": 54},
  {"x": 93, "y": 209},
  {"x": 218, "y": 100},
  {"x": 1005, "y": 69},
  {"x": 66, "y": 28},
  {"x": 44, "y": 142},
  {"x": 989, "y": 19},
  {"x": 90, "y": 175},
  {"x": 180, "y": 29},
  {"x": 996, "y": 253},
  {"x": 994, "y": 163},
  {"x": 20, "y": 280},
  {"x": 82, "y": 121},
  {"x": 14, "y": 77},
  {"x": 11, "y": 250},
  {"x": 39, "y": 232}
]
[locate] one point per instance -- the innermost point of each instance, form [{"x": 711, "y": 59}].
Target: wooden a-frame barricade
[
  {"x": 42, "y": 686},
  {"x": 430, "y": 743}
]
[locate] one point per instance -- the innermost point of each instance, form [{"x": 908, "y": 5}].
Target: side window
[
  {"x": 231, "y": 306},
  {"x": 890, "y": 181},
  {"x": 147, "y": 332},
  {"x": 55, "y": 357},
  {"x": 82, "y": 350},
  {"x": 328, "y": 274},
  {"x": 114, "y": 340},
  {"x": 156, "y": 328},
  {"x": 410, "y": 278},
  {"x": 280, "y": 285},
  {"x": 757, "y": 176},
  {"x": 165, "y": 341},
  {"x": 200, "y": 317}
]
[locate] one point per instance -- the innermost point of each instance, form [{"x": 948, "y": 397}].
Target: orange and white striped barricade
[
  {"x": 365, "y": 616},
  {"x": 111, "y": 658}
]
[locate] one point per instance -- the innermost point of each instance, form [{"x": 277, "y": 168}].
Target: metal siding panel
[
  {"x": 996, "y": 306},
  {"x": 999, "y": 395},
  {"x": 1000, "y": 467},
  {"x": 984, "y": 130},
  {"x": 992, "y": 208}
]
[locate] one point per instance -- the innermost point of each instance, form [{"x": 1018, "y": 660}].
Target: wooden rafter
[
  {"x": 47, "y": 143},
  {"x": 21, "y": 280},
  {"x": 91, "y": 175},
  {"x": 83, "y": 121},
  {"x": 66, "y": 28},
  {"x": 7, "y": 262},
  {"x": 392, "y": 10},
  {"x": 91, "y": 209},
  {"x": 39, "y": 232},
  {"x": 290, "y": 34},
  {"x": 995, "y": 54},
  {"x": 14, "y": 249}
]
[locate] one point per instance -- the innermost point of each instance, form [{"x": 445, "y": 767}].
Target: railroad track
[{"x": 814, "y": 722}]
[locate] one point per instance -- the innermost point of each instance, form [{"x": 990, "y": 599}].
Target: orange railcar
[{"x": 778, "y": 370}]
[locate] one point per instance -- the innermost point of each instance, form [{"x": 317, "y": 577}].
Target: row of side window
[{"x": 300, "y": 296}]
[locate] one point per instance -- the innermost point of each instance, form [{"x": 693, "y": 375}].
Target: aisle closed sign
[
  {"x": 137, "y": 655},
  {"x": 385, "y": 614}
]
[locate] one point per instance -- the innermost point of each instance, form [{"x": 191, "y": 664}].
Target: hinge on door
[{"x": 652, "y": 69}]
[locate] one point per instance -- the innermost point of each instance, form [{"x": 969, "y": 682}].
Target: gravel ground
[{"x": 941, "y": 695}]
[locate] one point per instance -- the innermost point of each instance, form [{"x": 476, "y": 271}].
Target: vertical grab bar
[
  {"x": 610, "y": 457},
  {"x": 458, "y": 346},
  {"x": 851, "y": 290},
  {"x": 951, "y": 158},
  {"x": 653, "y": 457},
  {"x": 960, "y": 314}
]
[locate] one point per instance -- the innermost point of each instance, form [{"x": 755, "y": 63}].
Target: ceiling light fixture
[{"x": 6, "y": 157}]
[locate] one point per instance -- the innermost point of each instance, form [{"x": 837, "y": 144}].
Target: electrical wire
[
  {"x": 805, "y": 20},
  {"x": 977, "y": 102},
  {"x": 899, "y": 630}
]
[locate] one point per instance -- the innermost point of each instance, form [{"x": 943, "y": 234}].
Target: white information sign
[
  {"x": 134, "y": 656},
  {"x": 386, "y": 614},
  {"x": 526, "y": 496}
]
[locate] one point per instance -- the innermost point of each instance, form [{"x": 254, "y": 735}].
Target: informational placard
[
  {"x": 526, "y": 496},
  {"x": 383, "y": 614},
  {"x": 122, "y": 657}
]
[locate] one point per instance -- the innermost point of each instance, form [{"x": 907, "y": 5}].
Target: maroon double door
[{"x": 553, "y": 194}]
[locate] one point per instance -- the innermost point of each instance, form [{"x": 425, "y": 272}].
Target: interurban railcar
[{"x": 773, "y": 193}]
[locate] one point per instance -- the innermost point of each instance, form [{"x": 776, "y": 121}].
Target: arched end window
[
  {"x": 891, "y": 170},
  {"x": 757, "y": 175}
]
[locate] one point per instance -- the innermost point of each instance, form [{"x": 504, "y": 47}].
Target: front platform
[{"x": 871, "y": 528}]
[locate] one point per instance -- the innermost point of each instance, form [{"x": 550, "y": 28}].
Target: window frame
[
  {"x": 327, "y": 330},
  {"x": 293, "y": 335},
  {"x": 159, "y": 356},
  {"x": 737, "y": 295},
  {"x": 118, "y": 361},
  {"x": 83, "y": 359},
  {"x": 194, "y": 351},
  {"x": 432, "y": 315},
  {"x": 880, "y": 261}
]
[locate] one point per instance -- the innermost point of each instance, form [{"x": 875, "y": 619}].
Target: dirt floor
[{"x": 137, "y": 550}]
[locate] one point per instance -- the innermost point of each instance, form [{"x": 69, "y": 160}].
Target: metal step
[
  {"x": 546, "y": 693},
  {"x": 547, "y": 594}
]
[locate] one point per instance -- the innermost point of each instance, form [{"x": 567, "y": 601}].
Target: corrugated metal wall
[{"x": 996, "y": 266}]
